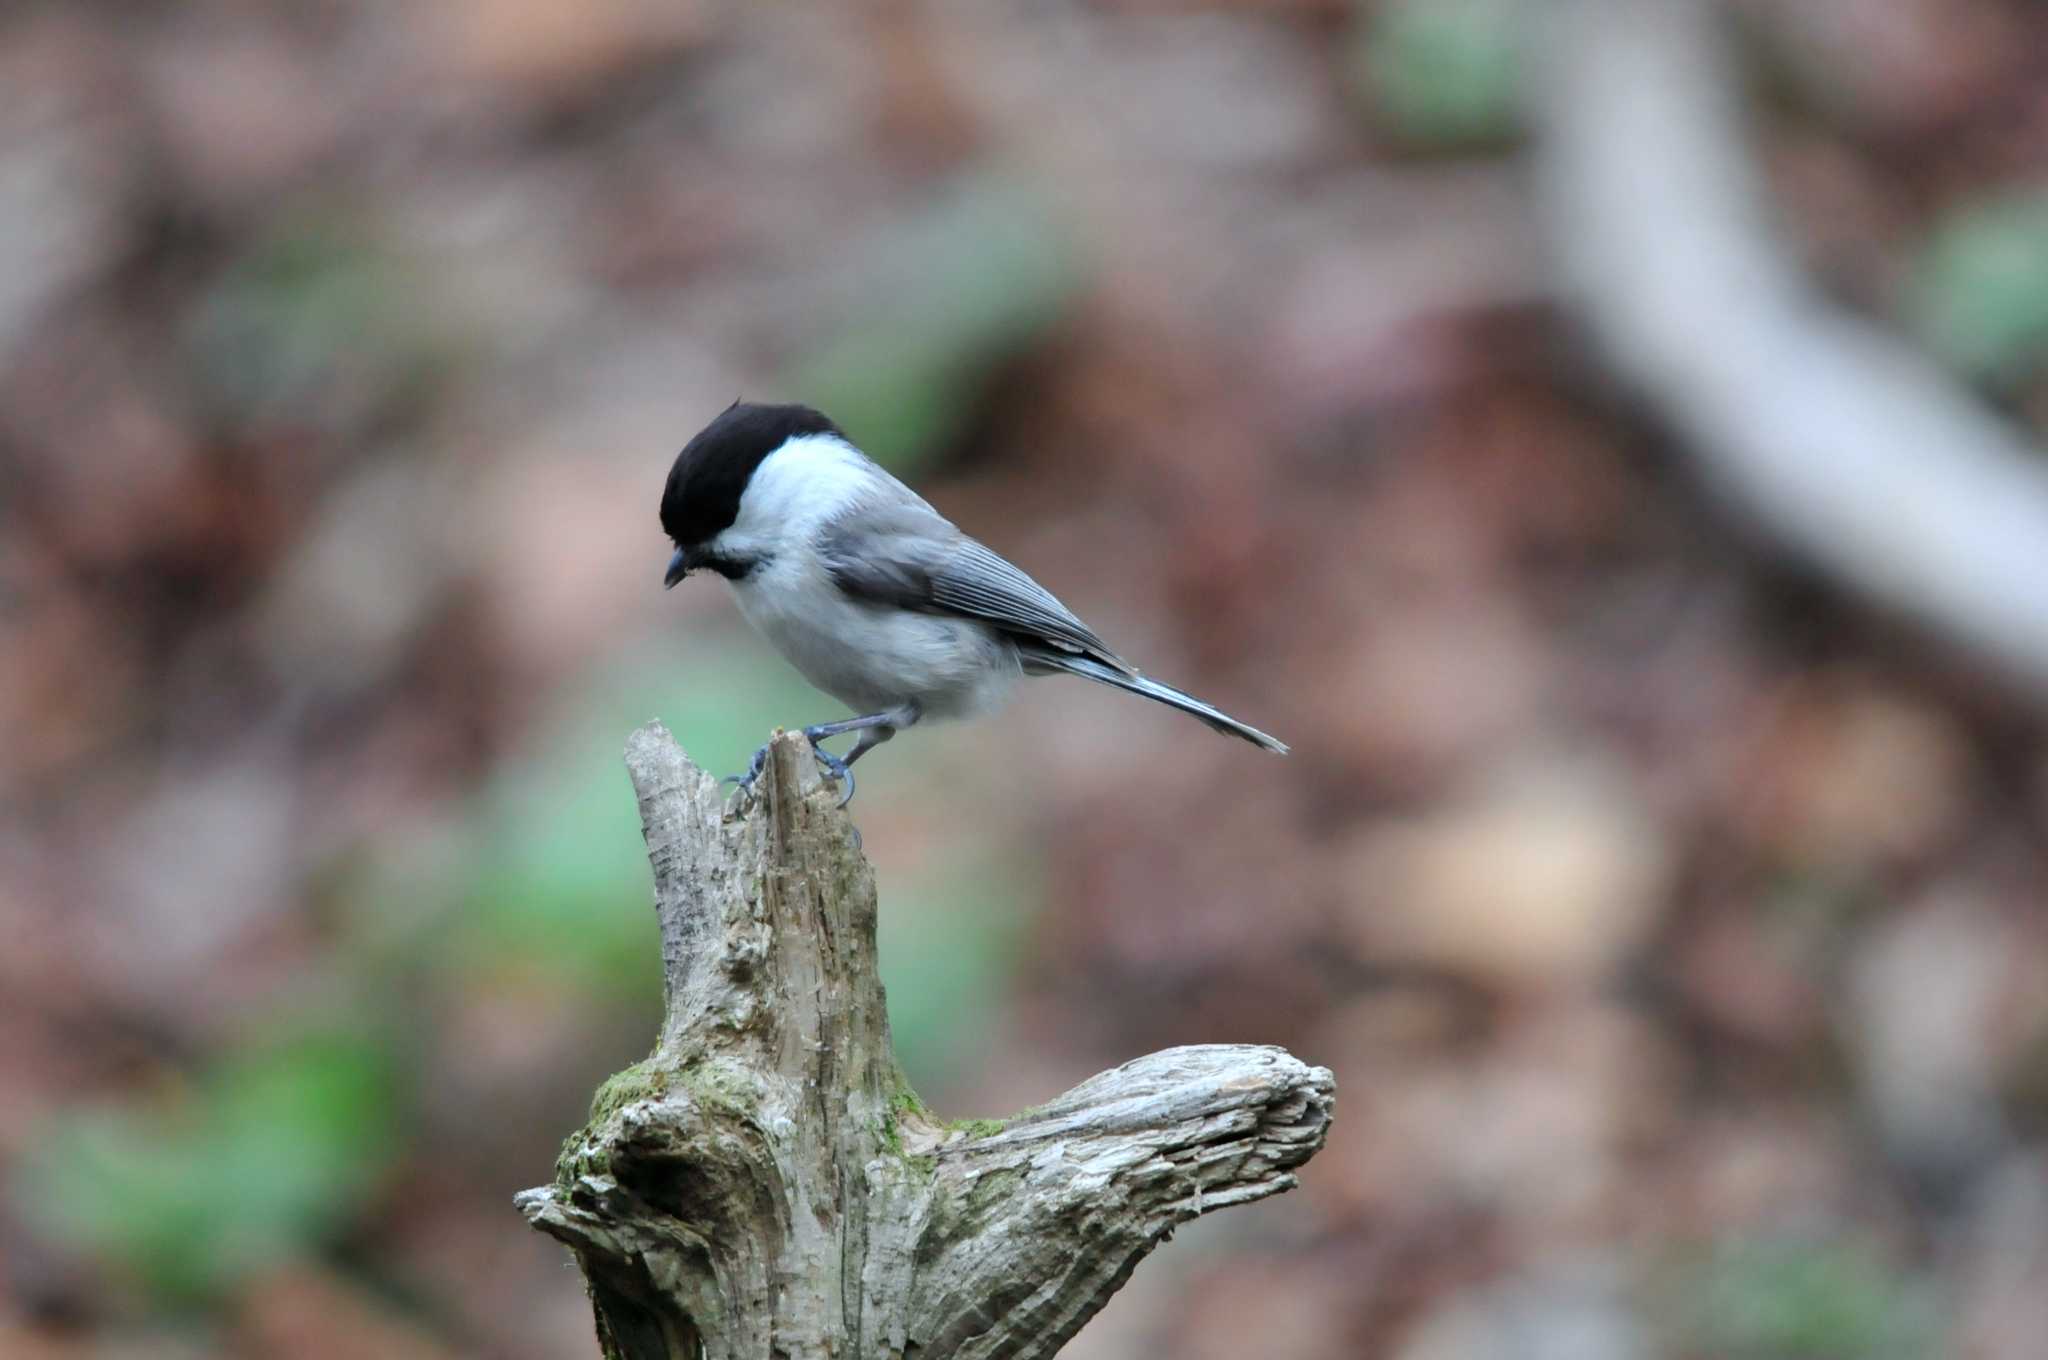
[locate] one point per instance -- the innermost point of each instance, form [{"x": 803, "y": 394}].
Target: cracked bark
[{"x": 766, "y": 1184}]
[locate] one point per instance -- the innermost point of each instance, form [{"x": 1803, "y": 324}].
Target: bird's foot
[
  {"x": 743, "y": 784},
  {"x": 837, "y": 770}
]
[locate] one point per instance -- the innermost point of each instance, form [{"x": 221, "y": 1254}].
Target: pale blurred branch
[
  {"x": 1850, "y": 446},
  {"x": 767, "y": 1183}
]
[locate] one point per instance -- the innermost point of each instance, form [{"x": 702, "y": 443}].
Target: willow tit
[{"x": 869, "y": 592}]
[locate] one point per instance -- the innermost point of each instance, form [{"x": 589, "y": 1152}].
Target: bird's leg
[
  {"x": 874, "y": 729},
  {"x": 869, "y": 740},
  {"x": 841, "y": 770},
  {"x": 744, "y": 783}
]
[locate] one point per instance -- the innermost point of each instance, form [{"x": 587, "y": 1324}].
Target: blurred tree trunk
[
  {"x": 768, "y": 1184},
  {"x": 1845, "y": 442}
]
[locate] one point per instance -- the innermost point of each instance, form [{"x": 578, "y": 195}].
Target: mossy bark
[{"x": 766, "y": 1184}]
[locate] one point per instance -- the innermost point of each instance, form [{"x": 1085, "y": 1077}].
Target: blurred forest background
[{"x": 1671, "y": 915}]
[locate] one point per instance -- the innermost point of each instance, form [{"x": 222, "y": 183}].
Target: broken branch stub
[{"x": 768, "y": 1184}]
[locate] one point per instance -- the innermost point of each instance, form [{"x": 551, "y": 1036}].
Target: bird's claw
[
  {"x": 835, "y": 769},
  {"x": 743, "y": 784}
]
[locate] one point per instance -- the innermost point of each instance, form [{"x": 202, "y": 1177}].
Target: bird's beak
[{"x": 678, "y": 568}]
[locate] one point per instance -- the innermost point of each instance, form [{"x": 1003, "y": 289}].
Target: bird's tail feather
[{"x": 1088, "y": 668}]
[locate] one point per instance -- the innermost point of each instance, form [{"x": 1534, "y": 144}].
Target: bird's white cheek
[{"x": 801, "y": 485}]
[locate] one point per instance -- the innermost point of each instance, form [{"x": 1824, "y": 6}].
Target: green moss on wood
[
  {"x": 712, "y": 1085},
  {"x": 905, "y": 1101},
  {"x": 644, "y": 1080},
  {"x": 977, "y": 1128},
  {"x": 724, "y": 1086}
]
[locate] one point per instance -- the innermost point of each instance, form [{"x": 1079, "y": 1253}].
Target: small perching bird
[{"x": 869, "y": 592}]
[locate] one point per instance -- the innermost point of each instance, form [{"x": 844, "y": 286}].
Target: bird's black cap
[{"x": 710, "y": 475}]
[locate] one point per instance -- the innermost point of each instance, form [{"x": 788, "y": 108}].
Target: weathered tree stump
[{"x": 767, "y": 1184}]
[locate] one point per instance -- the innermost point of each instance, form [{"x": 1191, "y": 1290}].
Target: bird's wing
[{"x": 914, "y": 558}]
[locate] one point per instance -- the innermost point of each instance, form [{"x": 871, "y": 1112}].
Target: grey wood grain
[{"x": 766, "y": 1184}]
